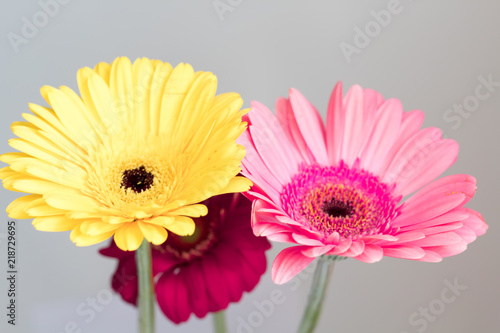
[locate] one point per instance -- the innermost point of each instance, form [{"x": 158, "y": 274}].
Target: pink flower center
[{"x": 339, "y": 199}]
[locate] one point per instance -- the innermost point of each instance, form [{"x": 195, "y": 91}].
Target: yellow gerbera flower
[{"x": 132, "y": 157}]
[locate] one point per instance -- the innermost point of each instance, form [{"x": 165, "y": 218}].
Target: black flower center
[
  {"x": 137, "y": 179},
  {"x": 336, "y": 208}
]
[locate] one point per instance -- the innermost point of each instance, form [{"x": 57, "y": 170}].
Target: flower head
[
  {"x": 131, "y": 157},
  {"x": 339, "y": 191},
  {"x": 204, "y": 272}
]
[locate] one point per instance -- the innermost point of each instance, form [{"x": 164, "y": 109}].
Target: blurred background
[{"x": 440, "y": 57}]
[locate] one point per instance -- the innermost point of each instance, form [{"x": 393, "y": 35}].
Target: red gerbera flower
[{"x": 204, "y": 272}]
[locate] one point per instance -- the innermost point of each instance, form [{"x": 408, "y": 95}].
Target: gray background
[{"x": 430, "y": 56}]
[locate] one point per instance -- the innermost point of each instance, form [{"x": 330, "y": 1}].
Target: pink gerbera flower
[
  {"x": 204, "y": 272},
  {"x": 340, "y": 192}
]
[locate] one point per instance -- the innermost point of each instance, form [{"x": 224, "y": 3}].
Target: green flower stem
[
  {"x": 146, "y": 292},
  {"x": 317, "y": 294},
  {"x": 220, "y": 321}
]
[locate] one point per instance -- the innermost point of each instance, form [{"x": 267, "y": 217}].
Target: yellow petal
[
  {"x": 177, "y": 87},
  {"x": 30, "y": 184},
  {"x": 81, "y": 239},
  {"x": 153, "y": 233},
  {"x": 161, "y": 75},
  {"x": 6, "y": 172},
  {"x": 140, "y": 215},
  {"x": 161, "y": 221},
  {"x": 37, "y": 151},
  {"x": 56, "y": 136},
  {"x": 70, "y": 199},
  {"x": 83, "y": 86},
  {"x": 116, "y": 219},
  {"x": 72, "y": 116},
  {"x": 236, "y": 185},
  {"x": 16, "y": 209},
  {"x": 129, "y": 237},
  {"x": 104, "y": 70},
  {"x": 54, "y": 223},
  {"x": 10, "y": 157},
  {"x": 143, "y": 74},
  {"x": 96, "y": 227},
  {"x": 121, "y": 83},
  {"x": 40, "y": 208},
  {"x": 47, "y": 171},
  {"x": 193, "y": 211},
  {"x": 195, "y": 107},
  {"x": 182, "y": 226},
  {"x": 104, "y": 104}
]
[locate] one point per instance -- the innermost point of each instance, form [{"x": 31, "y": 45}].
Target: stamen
[
  {"x": 137, "y": 179},
  {"x": 339, "y": 199},
  {"x": 337, "y": 208}
]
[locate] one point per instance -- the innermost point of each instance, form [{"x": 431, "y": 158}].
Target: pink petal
[
  {"x": 287, "y": 119},
  {"x": 447, "y": 185},
  {"x": 445, "y": 238},
  {"x": 257, "y": 195},
  {"x": 384, "y": 134},
  {"x": 372, "y": 101},
  {"x": 406, "y": 237},
  {"x": 304, "y": 240},
  {"x": 449, "y": 250},
  {"x": 197, "y": 290},
  {"x": 173, "y": 298},
  {"x": 289, "y": 263},
  {"x": 282, "y": 237},
  {"x": 431, "y": 256},
  {"x": 404, "y": 252},
  {"x": 250, "y": 270},
  {"x": 343, "y": 246},
  {"x": 455, "y": 215},
  {"x": 124, "y": 280},
  {"x": 256, "y": 166},
  {"x": 439, "y": 205},
  {"x": 272, "y": 143},
  {"x": 421, "y": 161},
  {"x": 404, "y": 161},
  {"x": 212, "y": 272},
  {"x": 355, "y": 249},
  {"x": 335, "y": 124},
  {"x": 333, "y": 238},
  {"x": 372, "y": 253},
  {"x": 316, "y": 251},
  {"x": 270, "y": 153},
  {"x": 437, "y": 198},
  {"x": 376, "y": 239},
  {"x": 441, "y": 228},
  {"x": 411, "y": 123},
  {"x": 353, "y": 135},
  {"x": 475, "y": 222},
  {"x": 310, "y": 125},
  {"x": 466, "y": 234},
  {"x": 233, "y": 283}
]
